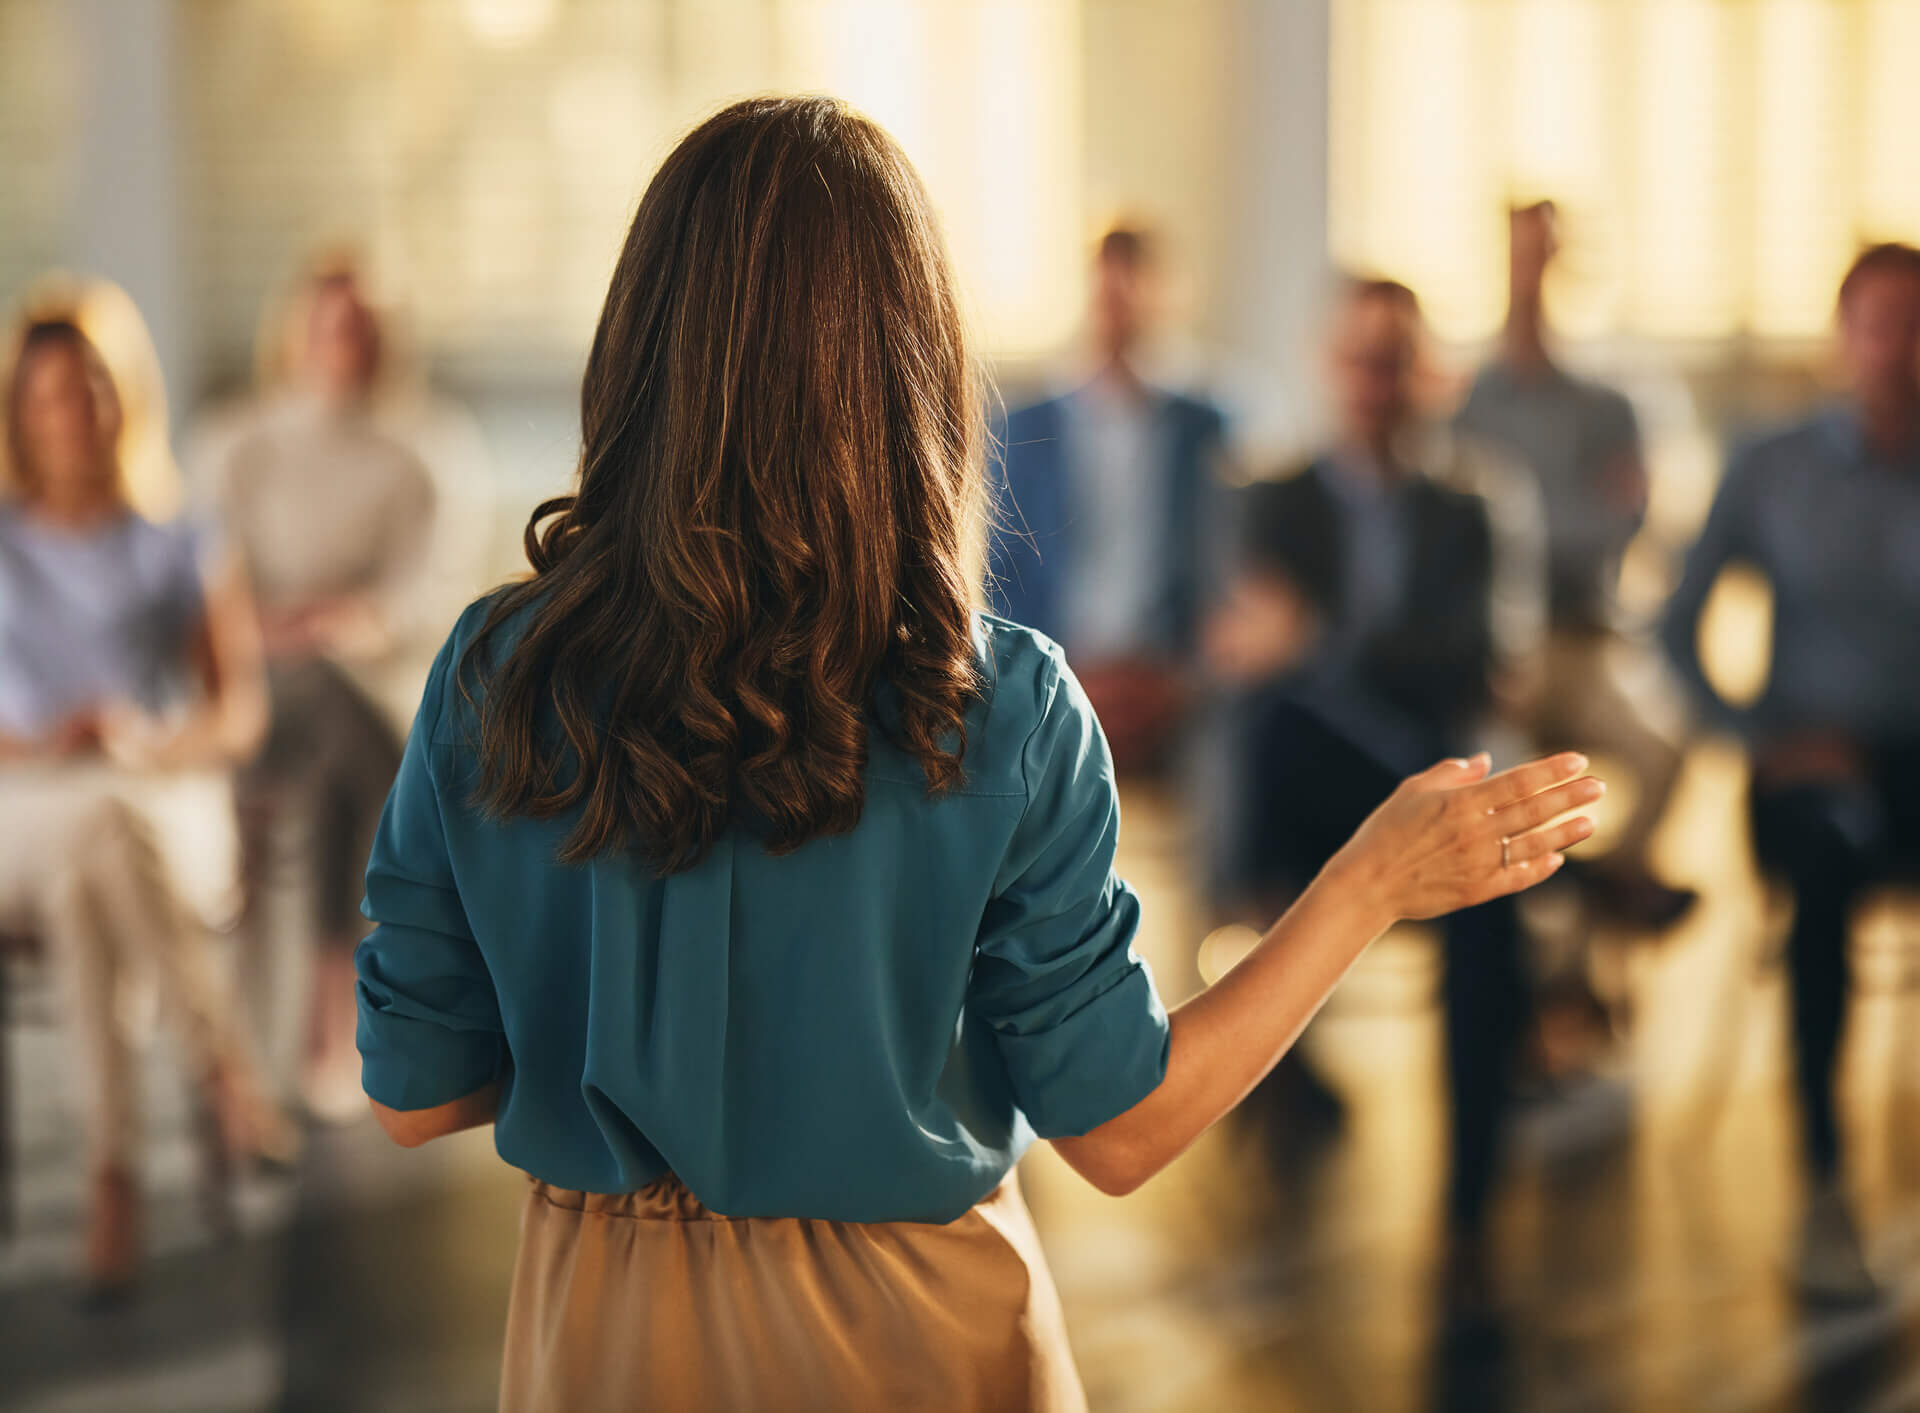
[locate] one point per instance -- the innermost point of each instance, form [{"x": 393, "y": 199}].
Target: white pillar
[
  {"x": 126, "y": 221},
  {"x": 1278, "y": 248}
]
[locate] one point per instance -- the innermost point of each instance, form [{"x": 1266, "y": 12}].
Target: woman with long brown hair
[
  {"x": 757, "y": 888},
  {"x": 129, "y": 656}
]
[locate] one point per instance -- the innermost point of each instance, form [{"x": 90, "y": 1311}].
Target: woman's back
[
  {"x": 852, "y": 1030},
  {"x": 739, "y": 869}
]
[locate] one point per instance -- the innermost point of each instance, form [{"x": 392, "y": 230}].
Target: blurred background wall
[
  {"x": 1716, "y": 162},
  {"x": 487, "y": 153}
]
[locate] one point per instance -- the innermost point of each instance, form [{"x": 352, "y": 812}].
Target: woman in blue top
[
  {"x": 758, "y": 889},
  {"x": 128, "y": 656}
]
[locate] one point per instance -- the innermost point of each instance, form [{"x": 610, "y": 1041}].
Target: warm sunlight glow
[{"x": 1717, "y": 163}]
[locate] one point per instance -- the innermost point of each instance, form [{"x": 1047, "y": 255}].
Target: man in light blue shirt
[{"x": 1829, "y": 512}]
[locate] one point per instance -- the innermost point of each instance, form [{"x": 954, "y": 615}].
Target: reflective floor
[{"x": 1643, "y": 1234}]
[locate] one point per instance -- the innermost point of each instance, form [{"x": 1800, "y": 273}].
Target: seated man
[
  {"x": 1371, "y": 610},
  {"x": 1580, "y": 442},
  {"x": 1104, "y": 513},
  {"x": 1829, "y": 512}
]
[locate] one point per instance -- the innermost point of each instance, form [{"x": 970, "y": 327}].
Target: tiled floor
[{"x": 1643, "y": 1232}]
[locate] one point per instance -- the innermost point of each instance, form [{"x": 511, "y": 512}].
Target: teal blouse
[{"x": 870, "y": 1028}]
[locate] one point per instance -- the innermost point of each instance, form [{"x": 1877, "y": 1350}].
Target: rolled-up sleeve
[
  {"x": 430, "y": 1029},
  {"x": 1079, "y": 1025}
]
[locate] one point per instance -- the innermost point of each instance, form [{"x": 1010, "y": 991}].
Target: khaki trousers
[
  {"x": 649, "y": 1300},
  {"x": 83, "y": 873}
]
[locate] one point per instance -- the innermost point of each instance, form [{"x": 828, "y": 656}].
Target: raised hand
[{"x": 1453, "y": 836}]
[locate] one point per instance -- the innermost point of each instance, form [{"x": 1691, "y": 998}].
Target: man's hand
[
  {"x": 348, "y": 626},
  {"x": 1262, "y": 627}
]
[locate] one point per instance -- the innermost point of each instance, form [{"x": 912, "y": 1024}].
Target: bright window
[
  {"x": 1718, "y": 161},
  {"x": 36, "y": 139},
  {"x": 489, "y": 152}
]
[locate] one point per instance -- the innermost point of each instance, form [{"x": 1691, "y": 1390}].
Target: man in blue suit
[{"x": 1102, "y": 524}]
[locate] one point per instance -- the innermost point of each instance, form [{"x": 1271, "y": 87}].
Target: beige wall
[
  {"x": 1206, "y": 116},
  {"x": 1158, "y": 132},
  {"x": 1210, "y": 116}
]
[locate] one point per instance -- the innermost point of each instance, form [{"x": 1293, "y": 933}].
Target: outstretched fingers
[
  {"x": 1522, "y": 875},
  {"x": 1539, "y": 843},
  {"x": 1501, "y": 833},
  {"x": 1454, "y": 774},
  {"x": 1536, "y": 810},
  {"x": 1523, "y": 782},
  {"x": 1524, "y": 810}
]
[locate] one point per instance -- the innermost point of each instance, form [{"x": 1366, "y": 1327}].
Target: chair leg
[{"x": 9, "y": 1213}]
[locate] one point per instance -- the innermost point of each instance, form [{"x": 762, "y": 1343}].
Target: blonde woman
[
  {"x": 333, "y": 518},
  {"x": 126, "y": 651}
]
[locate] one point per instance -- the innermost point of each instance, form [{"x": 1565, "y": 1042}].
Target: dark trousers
[
  {"x": 329, "y": 759},
  {"x": 1303, "y": 788},
  {"x": 1830, "y": 841}
]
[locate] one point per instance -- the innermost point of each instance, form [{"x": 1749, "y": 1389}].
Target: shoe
[
  {"x": 1314, "y": 1106},
  {"x": 233, "y": 1126},
  {"x": 113, "y": 1237},
  {"x": 216, "y": 1151},
  {"x": 1468, "y": 1317},
  {"x": 1297, "y": 1114},
  {"x": 1831, "y": 1269},
  {"x": 1636, "y": 900},
  {"x": 1570, "y": 1037},
  {"x": 245, "y": 1123}
]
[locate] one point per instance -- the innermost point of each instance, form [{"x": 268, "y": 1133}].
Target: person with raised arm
[{"x": 757, "y": 888}]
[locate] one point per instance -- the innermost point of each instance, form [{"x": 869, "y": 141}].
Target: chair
[{"x": 15, "y": 947}]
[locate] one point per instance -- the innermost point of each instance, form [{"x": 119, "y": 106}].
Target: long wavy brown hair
[{"x": 779, "y": 508}]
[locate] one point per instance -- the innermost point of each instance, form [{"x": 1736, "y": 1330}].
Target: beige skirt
[{"x": 649, "y": 1300}]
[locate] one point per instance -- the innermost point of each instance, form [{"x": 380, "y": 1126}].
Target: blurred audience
[
  {"x": 1103, "y": 530},
  {"x": 403, "y": 403},
  {"x": 1829, "y": 512},
  {"x": 1581, "y": 442},
  {"x": 334, "y": 517},
  {"x": 129, "y": 652},
  {"x": 1373, "y": 608}
]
